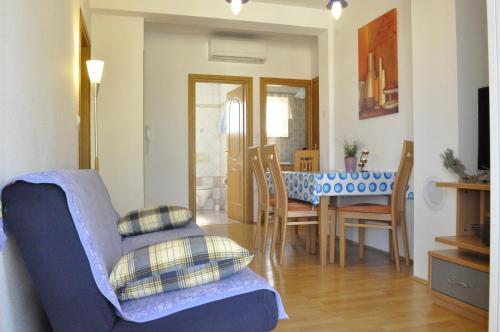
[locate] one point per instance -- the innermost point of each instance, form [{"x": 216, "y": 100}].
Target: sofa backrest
[{"x": 38, "y": 218}]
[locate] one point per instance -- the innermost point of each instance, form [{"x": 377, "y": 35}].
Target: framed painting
[{"x": 378, "y": 67}]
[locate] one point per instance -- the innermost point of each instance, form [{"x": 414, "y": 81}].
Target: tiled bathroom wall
[{"x": 211, "y": 140}]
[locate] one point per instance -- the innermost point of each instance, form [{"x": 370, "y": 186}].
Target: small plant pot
[{"x": 350, "y": 164}]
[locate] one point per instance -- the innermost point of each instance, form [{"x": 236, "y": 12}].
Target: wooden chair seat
[
  {"x": 367, "y": 208},
  {"x": 272, "y": 202},
  {"x": 299, "y": 206}
]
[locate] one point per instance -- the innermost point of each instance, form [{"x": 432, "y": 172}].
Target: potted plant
[{"x": 351, "y": 149}]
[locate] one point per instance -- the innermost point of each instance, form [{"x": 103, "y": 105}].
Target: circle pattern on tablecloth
[{"x": 310, "y": 186}]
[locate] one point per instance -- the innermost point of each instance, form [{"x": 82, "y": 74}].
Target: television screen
[{"x": 484, "y": 129}]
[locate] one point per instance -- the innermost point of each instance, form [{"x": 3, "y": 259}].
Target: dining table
[{"x": 318, "y": 188}]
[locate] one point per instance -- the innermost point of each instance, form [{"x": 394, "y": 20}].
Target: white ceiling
[{"x": 301, "y": 3}]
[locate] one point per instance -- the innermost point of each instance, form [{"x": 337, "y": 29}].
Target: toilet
[{"x": 203, "y": 193}]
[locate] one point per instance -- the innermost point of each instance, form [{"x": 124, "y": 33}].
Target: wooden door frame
[
  {"x": 247, "y": 83},
  {"x": 84, "y": 98},
  {"x": 313, "y": 82},
  {"x": 307, "y": 84}
]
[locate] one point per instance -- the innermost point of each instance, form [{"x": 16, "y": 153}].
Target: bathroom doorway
[{"x": 219, "y": 119}]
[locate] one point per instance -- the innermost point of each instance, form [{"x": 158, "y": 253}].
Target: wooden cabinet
[{"x": 459, "y": 278}]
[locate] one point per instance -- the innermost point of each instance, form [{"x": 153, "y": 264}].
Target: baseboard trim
[{"x": 420, "y": 280}]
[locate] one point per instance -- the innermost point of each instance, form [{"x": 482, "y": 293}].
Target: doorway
[
  {"x": 84, "y": 110},
  {"x": 220, "y": 122},
  {"x": 286, "y": 117}
]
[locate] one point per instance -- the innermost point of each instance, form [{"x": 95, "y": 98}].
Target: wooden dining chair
[
  {"x": 290, "y": 213},
  {"x": 264, "y": 199},
  {"x": 306, "y": 161},
  {"x": 379, "y": 216}
]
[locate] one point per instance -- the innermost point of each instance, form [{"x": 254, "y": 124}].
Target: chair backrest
[
  {"x": 260, "y": 176},
  {"x": 306, "y": 161},
  {"x": 398, "y": 199},
  {"x": 270, "y": 155}
]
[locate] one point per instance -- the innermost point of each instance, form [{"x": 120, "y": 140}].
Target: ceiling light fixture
[
  {"x": 336, "y": 6},
  {"x": 236, "y": 5}
]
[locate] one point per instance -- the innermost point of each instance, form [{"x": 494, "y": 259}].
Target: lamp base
[{"x": 96, "y": 163}]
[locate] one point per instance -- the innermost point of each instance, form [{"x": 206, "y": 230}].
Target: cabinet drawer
[{"x": 460, "y": 282}]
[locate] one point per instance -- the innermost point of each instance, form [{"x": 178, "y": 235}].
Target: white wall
[
  {"x": 382, "y": 136},
  {"x": 119, "y": 41},
  {"x": 494, "y": 72},
  {"x": 169, "y": 58},
  {"x": 436, "y": 118},
  {"x": 39, "y": 62},
  {"x": 472, "y": 48},
  {"x": 449, "y": 52}
]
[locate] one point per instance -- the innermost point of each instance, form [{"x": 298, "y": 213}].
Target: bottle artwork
[{"x": 377, "y": 94}]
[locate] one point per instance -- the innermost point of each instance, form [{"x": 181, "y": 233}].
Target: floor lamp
[{"x": 95, "y": 68}]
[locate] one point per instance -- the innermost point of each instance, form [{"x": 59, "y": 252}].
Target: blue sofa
[{"x": 38, "y": 218}]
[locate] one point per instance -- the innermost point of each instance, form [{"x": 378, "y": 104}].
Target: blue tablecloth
[{"x": 310, "y": 186}]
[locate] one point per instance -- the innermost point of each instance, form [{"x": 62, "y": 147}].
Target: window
[{"x": 278, "y": 113}]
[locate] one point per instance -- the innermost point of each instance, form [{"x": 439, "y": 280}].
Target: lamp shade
[
  {"x": 236, "y": 5},
  {"x": 95, "y": 68},
  {"x": 336, "y": 7}
]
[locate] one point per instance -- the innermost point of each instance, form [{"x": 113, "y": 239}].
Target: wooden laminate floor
[{"x": 367, "y": 295}]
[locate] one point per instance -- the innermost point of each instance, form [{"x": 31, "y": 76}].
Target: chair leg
[
  {"x": 275, "y": 235},
  {"x": 342, "y": 238},
  {"x": 266, "y": 226},
  {"x": 361, "y": 240},
  {"x": 391, "y": 249},
  {"x": 296, "y": 234},
  {"x": 283, "y": 240},
  {"x": 394, "y": 232},
  {"x": 308, "y": 239},
  {"x": 405, "y": 241},
  {"x": 313, "y": 233},
  {"x": 333, "y": 231}
]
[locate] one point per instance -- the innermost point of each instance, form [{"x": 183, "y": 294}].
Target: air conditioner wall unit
[{"x": 234, "y": 50}]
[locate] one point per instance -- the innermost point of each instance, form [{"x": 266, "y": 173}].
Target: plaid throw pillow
[
  {"x": 154, "y": 219},
  {"x": 177, "y": 264}
]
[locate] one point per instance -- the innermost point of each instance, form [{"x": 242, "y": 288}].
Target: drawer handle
[{"x": 460, "y": 283}]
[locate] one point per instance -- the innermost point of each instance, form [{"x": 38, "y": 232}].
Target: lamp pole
[
  {"x": 95, "y": 69},
  {"x": 96, "y": 127}
]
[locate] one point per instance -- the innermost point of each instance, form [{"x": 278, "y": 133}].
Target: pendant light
[
  {"x": 236, "y": 5},
  {"x": 336, "y": 6}
]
